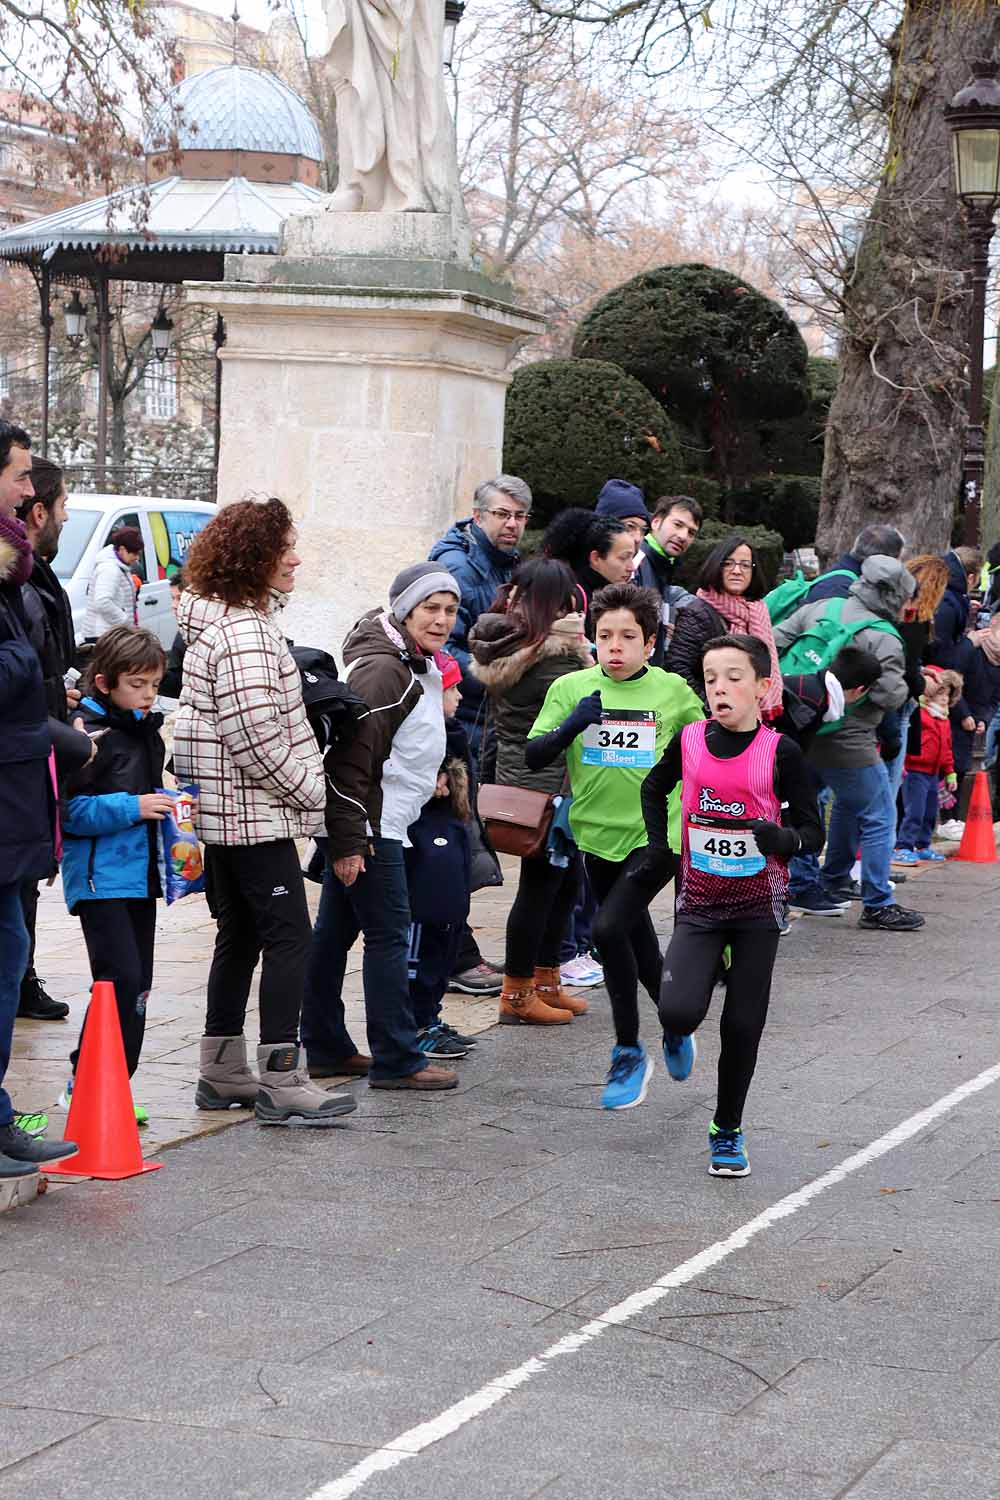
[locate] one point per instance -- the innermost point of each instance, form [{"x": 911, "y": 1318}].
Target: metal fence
[{"x": 141, "y": 479}]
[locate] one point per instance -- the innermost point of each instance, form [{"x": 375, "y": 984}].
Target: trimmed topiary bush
[
  {"x": 717, "y": 353},
  {"x": 572, "y": 424},
  {"x": 789, "y": 505},
  {"x": 768, "y": 545}
]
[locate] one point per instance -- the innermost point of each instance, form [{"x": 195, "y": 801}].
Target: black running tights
[{"x": 626, "y": 943}]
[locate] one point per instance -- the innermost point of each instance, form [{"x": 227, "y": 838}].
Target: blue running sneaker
[
  {"x": 931, "y": 856},
  {"x": 727, "y": 1153},
  {"x": 905, "y": 857},
  {"x": 628, "y": 1078},
  {"x": 679, "y": 1053}
]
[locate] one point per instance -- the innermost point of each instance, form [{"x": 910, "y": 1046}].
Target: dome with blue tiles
[{"x": 232, "y": 108}]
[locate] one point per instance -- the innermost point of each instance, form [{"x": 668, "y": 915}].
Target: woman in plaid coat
[{"x": 242, "y": 736}]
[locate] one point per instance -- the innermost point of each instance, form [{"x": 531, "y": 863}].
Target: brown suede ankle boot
[
  {"x": 521, "y": 1006},
  {"x": 548, "y": 987}
]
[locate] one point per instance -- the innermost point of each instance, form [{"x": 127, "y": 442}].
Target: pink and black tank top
[{"x": 724, "y": 877}]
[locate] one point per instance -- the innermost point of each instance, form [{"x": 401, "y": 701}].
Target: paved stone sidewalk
[{"x": 274, "y": 1306}]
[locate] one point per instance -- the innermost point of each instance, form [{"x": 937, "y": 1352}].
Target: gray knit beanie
[{"x": 417, "y": 583}]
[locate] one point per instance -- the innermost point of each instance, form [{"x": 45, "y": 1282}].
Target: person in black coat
[
  {"x": 27, "y": 829},
  {"x": 952, "y": 617},
  {"x": 173, "y": 677}
]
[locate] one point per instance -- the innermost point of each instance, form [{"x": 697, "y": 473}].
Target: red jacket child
[{"x": 935, "y": 755}]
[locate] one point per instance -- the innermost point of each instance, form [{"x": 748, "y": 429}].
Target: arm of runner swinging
[
  {"x": 541, "y": 750},
  {"x": 656, "y": 788},
  {"x": 801, "y": 830}
]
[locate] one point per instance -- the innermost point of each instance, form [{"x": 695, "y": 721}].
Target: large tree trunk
[{"x": 895, "y": 433}]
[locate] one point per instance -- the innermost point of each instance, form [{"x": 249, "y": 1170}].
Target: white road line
[{"x": 410, "y": 1444}]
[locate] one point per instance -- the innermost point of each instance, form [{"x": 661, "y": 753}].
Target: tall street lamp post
[{"x": 973, "y": 117}]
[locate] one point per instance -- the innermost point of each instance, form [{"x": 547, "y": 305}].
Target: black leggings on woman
[
  {"x": 689, "y": 972},
  {"x": 626, "y": 943},
  {"x": 546, "y": 894}
]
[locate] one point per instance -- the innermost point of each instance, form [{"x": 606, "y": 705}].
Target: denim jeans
[
  {"x": 578, "y": 937},
  {"x": 377, "y": 905},
  {"x": 803, "y": 869},
  {"x": 864, "y": 813},
  {"x": 992, "y": 731},
  {"x": 920, "y": 809},
  {"x": 14, "y": 947},
  {"x": 895, "y": 766}
]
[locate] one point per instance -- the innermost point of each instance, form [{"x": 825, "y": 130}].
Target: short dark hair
[
  {"x": 48, "y": 481},
  {"x": 751, "y": 645},
  {"x": 878, "y": 540},
  {"x": 129, "y": 537},
  {"x": 711, "y": 575},
  {"x": 573, "y": 534},
  {"x": 855, "y": 667},
  {"x": 123, "y": 648},
  {"x": 177, "y": 579},
  {"x": 667, "y": 503},
  {"x": 11, "y": 437},
  {"x": 643, "y": 603}
]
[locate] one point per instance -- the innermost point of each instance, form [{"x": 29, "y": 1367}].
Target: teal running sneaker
[
  {"x": 906, "y": 857},
  {"x": 931, "y": 856},
  {"x": 679, "y": 1053},
  {"x": 31, "y": 1124},
  {"x": 628, "y": 1078},
  {"x": 727, "y": 1153}
]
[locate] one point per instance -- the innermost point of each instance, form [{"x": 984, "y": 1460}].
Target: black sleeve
[
  {"x": 173, "y": 676},
  {"x": 542, "y": 751},
  {"x": 656, "y": 788},
  {"x": 71, "y": 746},
  {"x": 795, "y": 787},
  {"x": 691, "y": 631}
]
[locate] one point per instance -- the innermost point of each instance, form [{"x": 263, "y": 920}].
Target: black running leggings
[
  {"x": 626, "y": 943},
  {"x": 546, "y": 894},
  {"x": 690, "y": 967}
]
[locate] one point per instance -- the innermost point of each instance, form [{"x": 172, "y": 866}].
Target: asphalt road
[{"x": 439, "y": 1299}]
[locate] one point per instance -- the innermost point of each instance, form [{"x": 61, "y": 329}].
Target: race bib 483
[{"x": 724, "y": 851}]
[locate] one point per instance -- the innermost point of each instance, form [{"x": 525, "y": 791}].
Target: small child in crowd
[
  {"x": 924, "y": 770},
  {"x": 111, "y": 809},
  {"x": 818, "y": 698},
  {"x": 438, "y": 877},
  {"x": 747, "y": 806}
]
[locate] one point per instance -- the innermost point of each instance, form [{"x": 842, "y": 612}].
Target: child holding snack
[{"x": 112, "y": 808}]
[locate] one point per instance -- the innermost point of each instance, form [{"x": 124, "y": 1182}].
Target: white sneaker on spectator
[
  {"x": 953, "y": 829},
  {"x": 581, "y": 973}
]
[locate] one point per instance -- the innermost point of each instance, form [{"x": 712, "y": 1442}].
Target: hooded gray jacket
[{"x": 884, "y": 587}]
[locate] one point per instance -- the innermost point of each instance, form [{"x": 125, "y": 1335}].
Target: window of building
[{"x": 159, "y": 386}]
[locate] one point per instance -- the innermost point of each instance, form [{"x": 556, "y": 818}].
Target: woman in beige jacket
[{"x": 242, "y": 735}]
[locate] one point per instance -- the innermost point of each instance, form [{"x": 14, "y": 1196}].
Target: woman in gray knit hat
[{"x": 376, "y": 786}]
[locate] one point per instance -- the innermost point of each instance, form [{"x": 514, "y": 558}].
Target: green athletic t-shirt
[{"x": 609, "y": 762}]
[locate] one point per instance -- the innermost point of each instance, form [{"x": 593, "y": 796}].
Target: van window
[
  {"x": 132, "y": 519},
  {"x": 73, "y": 540}
]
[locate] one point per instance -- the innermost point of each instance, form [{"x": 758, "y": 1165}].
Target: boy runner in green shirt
[{"x": 613, "y": 722}]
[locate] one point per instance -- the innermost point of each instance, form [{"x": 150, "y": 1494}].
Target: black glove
[
  {"x": 588, "y": 711},
  {"x": 773, "y": 839},
  {"x": 890, "y": 749},
  {"x": 656, "y": 865}
]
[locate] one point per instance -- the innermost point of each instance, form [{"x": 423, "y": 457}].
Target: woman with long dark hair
[
  {"x": 730, "y": 598},
  {"x": 531, "y": 636}
]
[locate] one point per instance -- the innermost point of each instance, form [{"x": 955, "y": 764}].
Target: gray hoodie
[{"x": 884, "y": 587}]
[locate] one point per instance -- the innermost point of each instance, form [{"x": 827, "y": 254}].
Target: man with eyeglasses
[{"x": 480, "y": 553}]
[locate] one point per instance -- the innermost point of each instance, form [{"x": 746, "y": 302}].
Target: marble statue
[{"x": 396, "y": 139}]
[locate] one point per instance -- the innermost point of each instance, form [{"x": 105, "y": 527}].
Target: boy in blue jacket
[{"x": 110, "y": 867}]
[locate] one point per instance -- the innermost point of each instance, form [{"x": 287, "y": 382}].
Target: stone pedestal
[{"x": 366, "y": 389}]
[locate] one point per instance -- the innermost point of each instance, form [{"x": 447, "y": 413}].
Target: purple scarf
[{"x": 12, "y": 531}]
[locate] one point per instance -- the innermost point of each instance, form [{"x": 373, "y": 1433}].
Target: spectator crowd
[{"x": 773, "y": 750}]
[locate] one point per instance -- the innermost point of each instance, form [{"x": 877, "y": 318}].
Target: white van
[{"x": 168, "y": 528}]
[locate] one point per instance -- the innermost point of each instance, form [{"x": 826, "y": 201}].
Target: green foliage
[
  {"x": 572, "y": 424},
  {"x": 717, "y": 353},
  {"x": 795, "y": 445},
  {"x": 705, "y": 491},
  {"x": 767, "y": 544},
  {"x": 788, "y": 504}
]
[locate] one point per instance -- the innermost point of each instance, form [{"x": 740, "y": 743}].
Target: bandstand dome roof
[{"x": 233, "y": 108}]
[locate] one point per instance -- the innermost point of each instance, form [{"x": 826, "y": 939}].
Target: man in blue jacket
[
  {"x": 481, "y": 554},
  {"x": 26, "y": 827}
]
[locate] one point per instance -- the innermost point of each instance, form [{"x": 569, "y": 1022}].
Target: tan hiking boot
[
  {"x": 426, "y": 1078},
  {"x": 287, "y": 1095},
  {"x": 521, "y": 1006},
  {"x": 224, "y": 1079},
  {"x": 548, "y": 987}
]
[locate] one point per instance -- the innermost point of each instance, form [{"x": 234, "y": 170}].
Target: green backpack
[
  {"x": 815, "y": 648},
  {"x": 786, "y": 598}
]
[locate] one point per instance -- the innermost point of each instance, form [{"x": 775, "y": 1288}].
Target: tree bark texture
[{"x": 897, "y": 422}]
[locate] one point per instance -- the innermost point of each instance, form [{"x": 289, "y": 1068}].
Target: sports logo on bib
[{"x": 624, "y": 737}]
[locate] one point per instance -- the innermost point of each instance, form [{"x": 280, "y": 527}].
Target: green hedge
[{"x": 789, "y": 505}]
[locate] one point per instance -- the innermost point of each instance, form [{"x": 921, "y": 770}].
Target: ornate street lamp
[
  {"x": 162, "y": 330},
  {"x": 75, "y": 313},
  {"x": 973, "y": 117},
  {"x": 454, "y": 10}
]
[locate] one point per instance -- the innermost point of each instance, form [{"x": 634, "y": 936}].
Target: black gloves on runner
[
  {"x": 772, "y": 839},
  {"x": 656, "y": 865},
  {"x": 541, "y": 752},
  {"x": 588, "y": 711}
]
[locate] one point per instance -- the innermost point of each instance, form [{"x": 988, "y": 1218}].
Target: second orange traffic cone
[
  {"x": 978, "y": 845},
  {"x": 101, "y": 1117}
]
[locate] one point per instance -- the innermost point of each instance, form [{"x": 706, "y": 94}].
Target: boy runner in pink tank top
[{"x": 747, "y": 805}]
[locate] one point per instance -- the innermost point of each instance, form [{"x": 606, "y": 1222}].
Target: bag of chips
[{"x": 182, "y": 870}]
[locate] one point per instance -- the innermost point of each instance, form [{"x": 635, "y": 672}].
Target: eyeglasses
[
  {"x": 503, "y": 516},
  {"x": 737, "y": 567}
]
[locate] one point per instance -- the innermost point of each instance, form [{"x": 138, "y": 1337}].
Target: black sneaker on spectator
[
  {"x": 483, "y": 979},
  {"x": 890, "y": 919},
  {"x": 849, "y": 890},
  {"x": 35, "y": 1005},
  {"x": 817, "y": 904}
]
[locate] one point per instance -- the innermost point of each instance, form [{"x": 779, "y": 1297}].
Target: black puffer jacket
[
  {"x": 696, "y": 623},
  {"x": 517, "y": 679},
  {"x": 49, "y": 618}
]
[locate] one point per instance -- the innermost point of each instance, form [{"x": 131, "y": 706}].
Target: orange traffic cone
[
  {"x": 978, "y": 845},
  {"x": 101, "y": 1114}
]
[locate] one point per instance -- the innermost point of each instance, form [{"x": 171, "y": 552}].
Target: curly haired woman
[{"x": 241, "y": 733}]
